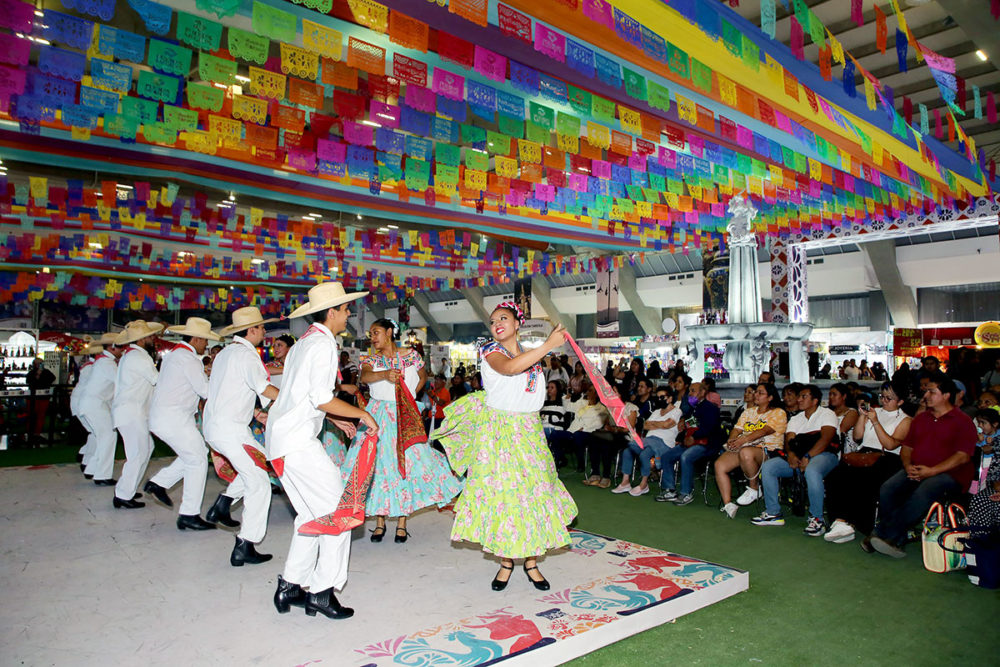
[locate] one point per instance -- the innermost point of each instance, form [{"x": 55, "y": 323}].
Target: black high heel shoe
[
  {"x": 498, "y": 585},
  {"x": 378, "y": 534},
  {"x": 399, "y": 539},
  {"x": 542, "y": 585}
]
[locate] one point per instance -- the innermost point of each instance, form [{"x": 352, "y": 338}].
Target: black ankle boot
[
  {"x": 288, "y": 594},
  {"x": 244, "y": 553},
  {"x": 325, "y": 602},
  {"x": 158, "y": 492},
  {"x": 219, "y": 512}
]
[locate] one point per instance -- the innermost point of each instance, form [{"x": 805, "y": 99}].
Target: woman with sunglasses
[{"x": 853, "y": 486}]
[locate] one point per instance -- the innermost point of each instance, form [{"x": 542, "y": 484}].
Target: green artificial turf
[{"x": 810, "y": 602}]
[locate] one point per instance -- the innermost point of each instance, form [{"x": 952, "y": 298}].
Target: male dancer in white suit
[
  {"x": 238, "y": 378},
  {"x": 181, "y": 385},
  {"x": 94, "y": 410},
  {"x": 92, "y": 351},
  {"x": 137, "y": 376},
  {"x": 316, "y": 564}
]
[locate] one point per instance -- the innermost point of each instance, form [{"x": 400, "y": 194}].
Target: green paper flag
[
  {"x": 657, "y": 182},
  {"x": 157, "y": 86},
  {"x": 603, "y": 109},
  {"x": 567, "y": 125},
  {"x": 496, "y": 143},
  {"x": 634, "y": 191},
  {"x": 169, "y": 58},
  {"x": 751, "y": 54},
  {"x": 542, "y": 115},
  {"x": 198, "y": 32},
  {"x": 204, "y": 97},
  {"x": 447, "y": 154},
  {"x": 118, "y": 125},
  {"x": 158, "y": 133},
  {"x": 418, "y": 174},
  {"x": 477, "y": 160},
  {"x": 659, "y": 96},
  {"x": 635, "y": 84},
  {"x": 179, "y": 119},
  {"x": 536, "y": 133},
  {"x": 579, "y": 100},
  {"x": 512, "y": 127},
  {"x": 215, "y": 69},
  {"x": 144, "y": 110},
  {"x": 274, "y": 23},
  {"x": 472, "y": 134},
  {"x": 248, "y": 46},
  {"x": 733, "y": 38},
  {"x": 744, "y": 163},
  {"x": 701, "y": 74},
  {"x": 447, "y": 174},
  {"x": 678, "y": 61}
]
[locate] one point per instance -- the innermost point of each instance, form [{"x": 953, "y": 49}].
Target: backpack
[{"x": 943, "y": 537}]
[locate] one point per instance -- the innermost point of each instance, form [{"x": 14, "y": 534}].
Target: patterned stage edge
[{"x": 637, "y": 588}]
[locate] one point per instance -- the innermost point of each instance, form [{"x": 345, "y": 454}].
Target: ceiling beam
[
  {"x": 932, "y": 28},
  {"x": 474, "y": 295},
  {"x": 963, "y": 49},
  {"x": 920, "y": 86},
  {"x": 423, "y": 306}
]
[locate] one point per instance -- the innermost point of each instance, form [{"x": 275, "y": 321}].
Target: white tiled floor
[{"x": 85, "y": 584}]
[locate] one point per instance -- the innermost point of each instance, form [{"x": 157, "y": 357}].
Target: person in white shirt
[
  {"x": 811, "y": 445},
  {"x": 91, "y": 352},
  {"x": 94, "y": 410},
  {"x": 181, "y": 385},
  {"x": 316, "y": 564},
  {"x": 238, "y": 378},
  {"x": 556, "y": 371},
  {"x": 136, "y": 378},
  {"x": 661, "y": 435},
  {"x": 590, "y": 437}
]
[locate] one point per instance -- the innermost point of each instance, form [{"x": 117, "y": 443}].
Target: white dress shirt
[
  {"x": 81, "y": 387},
  {"x": 137, "y": 376},
  {"x": 100, "y": 389},
  {"x": 238, "y": 378},
  {"x": 182, "y": 382},
  {"x": 309, "y": 381}
]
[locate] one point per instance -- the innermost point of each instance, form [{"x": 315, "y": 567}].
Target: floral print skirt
[{"x": 514, "y": 504}]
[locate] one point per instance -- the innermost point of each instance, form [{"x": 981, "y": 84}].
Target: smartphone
[{"x": 864, "y": 406}]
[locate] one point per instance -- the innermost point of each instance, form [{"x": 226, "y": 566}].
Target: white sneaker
[
  {"x": 639, "y": 491},
  {"x": 622, "y": 488},
  {"x": 749, "y": 496},
  {"x": 730, "y": 509},
  {"x": 839, "y": 532}
]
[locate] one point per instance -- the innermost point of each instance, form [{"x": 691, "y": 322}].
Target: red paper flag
[
  {"x": 797, "y": 39},
  {"x": 856, "y": 13},
  {"x": 881, "y": 31}
]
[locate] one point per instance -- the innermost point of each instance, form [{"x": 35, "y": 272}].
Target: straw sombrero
[
  {"x": 92, "y": 347},
  {"x": 108, "y": 339},
  {"x": 137, "y": 330},
  {"x": 244, "y": 318},
  {"x": 196, "y": 327},
  {"x": 326, "y": 295}
]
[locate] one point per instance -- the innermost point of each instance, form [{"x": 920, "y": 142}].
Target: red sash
[
  {"x": 351, "y": 510},
  {"x": 409, "y": 426}
]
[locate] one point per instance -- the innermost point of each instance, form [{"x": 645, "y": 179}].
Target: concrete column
[
  {"x": 422, "y": 304},
  {"x": 474, "y": 295},
  {"x": 898, "y": 296},
  {"x": 541, "y": 290},
  {"x": 649, "y": 318},
  {"x": 798, "y": 364}
]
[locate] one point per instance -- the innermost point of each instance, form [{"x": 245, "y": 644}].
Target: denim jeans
[
  {"x": 652, "y": 447},
  {"x": 818, "y": 468},
  {"x": 903, "y": 502},
  {"x": 560, "y": 442},
  {"x": 688, "y": 456}
]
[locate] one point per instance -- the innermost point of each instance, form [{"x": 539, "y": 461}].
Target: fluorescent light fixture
[
  {"x": 383, "y": 229},
  {"x": 393, "y": 226},
  {"x": 38, "y": 13},
  {"x": 124, "y": 187},
  {"x": 220, "y": 85},
  {"x": 982, "y": 55},
  {"x": 359, "y": 216},
  {"x": 242, "y": 79},
  {"x": 96, "y": 246},
  {"x": 312, "y": 215},
  {"x": 256, "y": 260},
  {"x": 370, "y": 123},
  {"x": 232, "y": 196}
]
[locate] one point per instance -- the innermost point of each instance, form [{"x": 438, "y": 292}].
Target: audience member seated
[
  {"x": 556, "y": 371},
  {"x": 852, "y": 488},
  {"x": 759, "y": 433},
  {"x": 701, "y": 439},
  {"x": 555, "y": 418},
  {"x": 790, "y": 398},
  {"x": 644, "y": 400},
  {"x": 937, "y": 461},
  {"x": 984, "y": 509},
  {"x": 840, "y": 401},
  {"x": 987, "y": 399},
  {"x": 765, "y": 377},
  {"x": 682, "y": 387},
  {"x": 629, "y": 380},
  {"x": 710, "y": 393},
  {"x": 988, "y": 425},
  {"x": 577, "y": 381},
  {"x": 811, "y": 445},
  {"x": 992, "y": 378},
  {"x": 590, "y": 436},
  {"x": 661, "y": 435},
  {"x": 748, "y": 400}
]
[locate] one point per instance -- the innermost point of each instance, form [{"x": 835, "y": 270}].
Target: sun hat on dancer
[
  {"x": 137, "y": 330},
  {"x": 326, "y": 295},
  {"x": 196, "y": 327},
  {"x": 244, "y": 318},
  {"x": 92, "y": 347}
]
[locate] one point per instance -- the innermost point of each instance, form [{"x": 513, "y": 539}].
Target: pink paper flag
[
  {"x": 385, "y": 115},
  {"x": 421, "y": 99},
  {"x": 449, "y": 84},
  {"x": 491, "y": 65},
  {"x": 550, "y": 42},
  {"x": 331, "y": 151}
]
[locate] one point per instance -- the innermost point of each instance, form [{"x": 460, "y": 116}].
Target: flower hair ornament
[
  {"x": 395, "y": 324},
  {"x": 514, "y": 308}
]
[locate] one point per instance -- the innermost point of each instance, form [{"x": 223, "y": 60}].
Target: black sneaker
[{"x": 666, "y": 496}]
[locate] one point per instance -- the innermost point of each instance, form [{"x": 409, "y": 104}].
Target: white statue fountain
[{"x": 746, "y": 336}]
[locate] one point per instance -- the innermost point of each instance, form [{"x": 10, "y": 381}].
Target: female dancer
[
  {"x": 514, "y": 504},
  {"x": 428, "y": 478},
  {"x": 759, "y": 433},
  {"x": 279, "y": 348}
]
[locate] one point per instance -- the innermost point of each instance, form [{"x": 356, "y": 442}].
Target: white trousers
[
  {"x": 313, "y": 484},
  {"x": 138, "y": 449},
  {"x": 101, "y": 463},
  {"x": 251, "y": 483},
  {"x": 87, "y": 451},
  {"x": 181, "y": 433}
]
